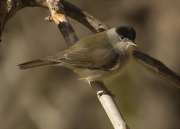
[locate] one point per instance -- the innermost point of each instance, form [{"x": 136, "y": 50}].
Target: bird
[{"x": 96, "y": 57}]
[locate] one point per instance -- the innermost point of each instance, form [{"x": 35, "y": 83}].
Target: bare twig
[
  {"x": 157, "y": 67},
  {"x": 109, "y": 105},
  {"x": 9, "y": 7},
  {"x": 83, "y": 17},
  {"x": 59, "y": 17}
]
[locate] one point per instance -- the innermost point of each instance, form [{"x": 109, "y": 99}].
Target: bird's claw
[{"x": 100, "y": 93}]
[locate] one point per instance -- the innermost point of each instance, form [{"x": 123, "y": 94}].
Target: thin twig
[
  {"x": 157, "y": 67},
  {"x": 59, "y": 17},
  {"x": 109, "y": 105}
]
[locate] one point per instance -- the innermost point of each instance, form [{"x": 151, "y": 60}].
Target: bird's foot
[{"x": 100, "y": 93}]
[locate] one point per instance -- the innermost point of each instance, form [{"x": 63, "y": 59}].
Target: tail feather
[{"x": 36, "y": 63}]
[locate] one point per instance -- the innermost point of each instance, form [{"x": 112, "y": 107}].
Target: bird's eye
[{"x": 121, "y": 37}]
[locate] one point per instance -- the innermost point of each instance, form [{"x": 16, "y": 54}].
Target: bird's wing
[{"x": 91, "y": 54}]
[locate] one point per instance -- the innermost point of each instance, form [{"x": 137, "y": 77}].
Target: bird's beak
[
  {"x": 129, "y": 41},
  {"x": 132, "y": 43}
]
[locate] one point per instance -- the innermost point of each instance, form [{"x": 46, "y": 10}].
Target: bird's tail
[{"x": 36, "y": 63}]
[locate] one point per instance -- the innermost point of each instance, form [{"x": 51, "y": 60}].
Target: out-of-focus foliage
[{"x": 54, "y": 98}]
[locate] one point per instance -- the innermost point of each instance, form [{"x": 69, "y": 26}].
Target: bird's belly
[
  {"x": 102, "y": 74},
  {"x": 111, "y": 73}
]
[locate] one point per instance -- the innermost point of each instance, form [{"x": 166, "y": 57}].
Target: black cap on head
[{"x": 127, "y": 32}]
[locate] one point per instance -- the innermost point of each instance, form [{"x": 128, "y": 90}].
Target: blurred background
[{"x": 54, "y": 98}]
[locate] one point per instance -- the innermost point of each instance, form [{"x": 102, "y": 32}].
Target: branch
[
  {"x": 157, "y": 68},
  {"x": 59, "y": 17},
  {"x": 109, "y": 105},
  {"x": 9, "y": 7}
]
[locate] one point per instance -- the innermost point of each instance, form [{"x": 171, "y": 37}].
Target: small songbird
[{"x": 96, "y": 57}]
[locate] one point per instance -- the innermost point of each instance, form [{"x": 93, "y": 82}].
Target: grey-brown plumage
[{"x": 96, "y": 57}]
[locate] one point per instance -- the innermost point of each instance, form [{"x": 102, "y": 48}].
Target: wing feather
[{"x": 89, "y": 52}]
